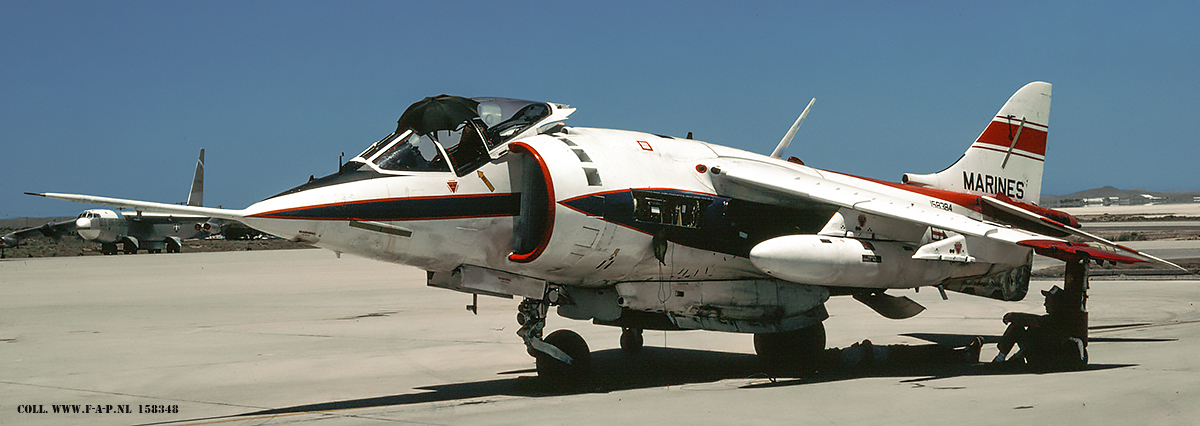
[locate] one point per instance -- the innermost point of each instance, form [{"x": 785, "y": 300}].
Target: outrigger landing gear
[
  {"x": 563, "y": 355},
  {"x": 1075, "y": 286}
]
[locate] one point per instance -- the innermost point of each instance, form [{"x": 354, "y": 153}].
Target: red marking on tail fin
[{"x": 1000, "y": 131}]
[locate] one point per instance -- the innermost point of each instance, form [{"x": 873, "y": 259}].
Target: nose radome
[{"x": 83, "y": 226}]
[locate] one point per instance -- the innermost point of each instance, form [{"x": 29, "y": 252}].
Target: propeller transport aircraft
[
  {"x": 152, "y": 232},
  {"x": 499, "y": 197}
]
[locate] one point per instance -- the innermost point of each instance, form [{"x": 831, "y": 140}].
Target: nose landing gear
[{"x": 561, "y": 356}]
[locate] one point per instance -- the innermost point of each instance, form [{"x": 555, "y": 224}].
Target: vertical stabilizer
[
  {"x": 1007, "y": 158},
  {"x": 196, "y": 196}
]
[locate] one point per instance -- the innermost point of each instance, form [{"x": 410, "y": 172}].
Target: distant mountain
[{"x": 1126, "y": 196}]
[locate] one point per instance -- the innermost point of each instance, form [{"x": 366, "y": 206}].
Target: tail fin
[
  {"x": 1008, "y": 156},
  {"x": 196, "y": 196}
]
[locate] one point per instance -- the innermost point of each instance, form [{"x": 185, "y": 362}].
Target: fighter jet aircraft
[
  {"x": 501, "y": 197},
  {"x": 153, "y": 232}
]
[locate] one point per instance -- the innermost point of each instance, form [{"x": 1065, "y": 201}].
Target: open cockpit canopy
[{"x": 445, "y": 133}]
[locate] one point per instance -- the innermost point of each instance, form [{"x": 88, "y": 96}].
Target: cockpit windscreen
[{"x": 460, "y": 129}]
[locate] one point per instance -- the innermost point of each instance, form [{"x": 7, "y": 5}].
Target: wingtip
[{"x": 34, "y": 193}]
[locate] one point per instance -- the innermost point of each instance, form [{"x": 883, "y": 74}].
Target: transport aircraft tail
[
  {"x": 1007, "y": 158},
  {"x": 196, "y": 196}
]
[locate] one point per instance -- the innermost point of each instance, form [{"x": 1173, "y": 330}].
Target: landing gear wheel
[
  {"x": 797, "y": 348},
  {"x": 574, "y": 346},
  {"x": 631, "y": 340}
]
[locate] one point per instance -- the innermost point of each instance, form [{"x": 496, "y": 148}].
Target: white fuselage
[
  {"x": 108, "y": 226},
  {"x": 597, "y": 235}
]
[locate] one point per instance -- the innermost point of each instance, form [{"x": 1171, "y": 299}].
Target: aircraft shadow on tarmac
[
  {"x": 653, "y": 367},
  {"x": 659, "y": 367}
]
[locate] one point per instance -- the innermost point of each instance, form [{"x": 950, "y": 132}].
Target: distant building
[{"x": 1150, "y": 199}]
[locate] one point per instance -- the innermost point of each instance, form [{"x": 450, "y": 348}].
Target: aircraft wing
[
  {"x": 53, "y": 230},
  {"x": 773, "y": 184},
  {"x": 235, "y": 215}
]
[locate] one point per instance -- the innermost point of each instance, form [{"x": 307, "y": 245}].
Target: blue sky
[{"x": 117, "y": 98}]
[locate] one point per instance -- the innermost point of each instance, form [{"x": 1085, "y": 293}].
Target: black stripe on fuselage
[
  {"x": 409, "y": 208},
  {"x": 703, "y": 221}
]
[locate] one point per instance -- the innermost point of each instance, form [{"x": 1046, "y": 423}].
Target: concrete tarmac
[{"x": 300, "y": 336}]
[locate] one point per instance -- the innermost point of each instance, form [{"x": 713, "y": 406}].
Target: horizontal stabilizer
[
  {"x": 1071, "y": 251},
  {"x": 1067, "y": 251},
  {"x": 891, "y": 307}
]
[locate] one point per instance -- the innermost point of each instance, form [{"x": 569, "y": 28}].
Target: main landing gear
[
  {"x": 802, "y": 347},
  {"x": 1073, "y": 353}
]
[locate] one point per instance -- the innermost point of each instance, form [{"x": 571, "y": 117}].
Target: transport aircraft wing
[{"x": 52, "y": 230}]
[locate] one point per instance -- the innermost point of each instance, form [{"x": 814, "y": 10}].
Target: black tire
[
  {"x": 574, "y": 346},
  {"x": 797, "y": 348},
  {"x": 631, "y": 340}
]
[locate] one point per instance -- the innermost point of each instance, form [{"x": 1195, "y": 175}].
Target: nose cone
[{"x": 83, "y": 226}]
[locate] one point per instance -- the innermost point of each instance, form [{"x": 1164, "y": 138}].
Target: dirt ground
[{"x": 73, "y": 245}]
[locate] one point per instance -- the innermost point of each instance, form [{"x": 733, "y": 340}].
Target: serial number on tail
[{"x": 994, "y": 185}]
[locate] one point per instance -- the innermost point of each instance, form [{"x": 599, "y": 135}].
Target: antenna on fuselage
[{"x": 787, "y": 139}]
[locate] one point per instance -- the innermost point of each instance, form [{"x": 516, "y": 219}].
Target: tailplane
[{"x": 1007, "y": 158}]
